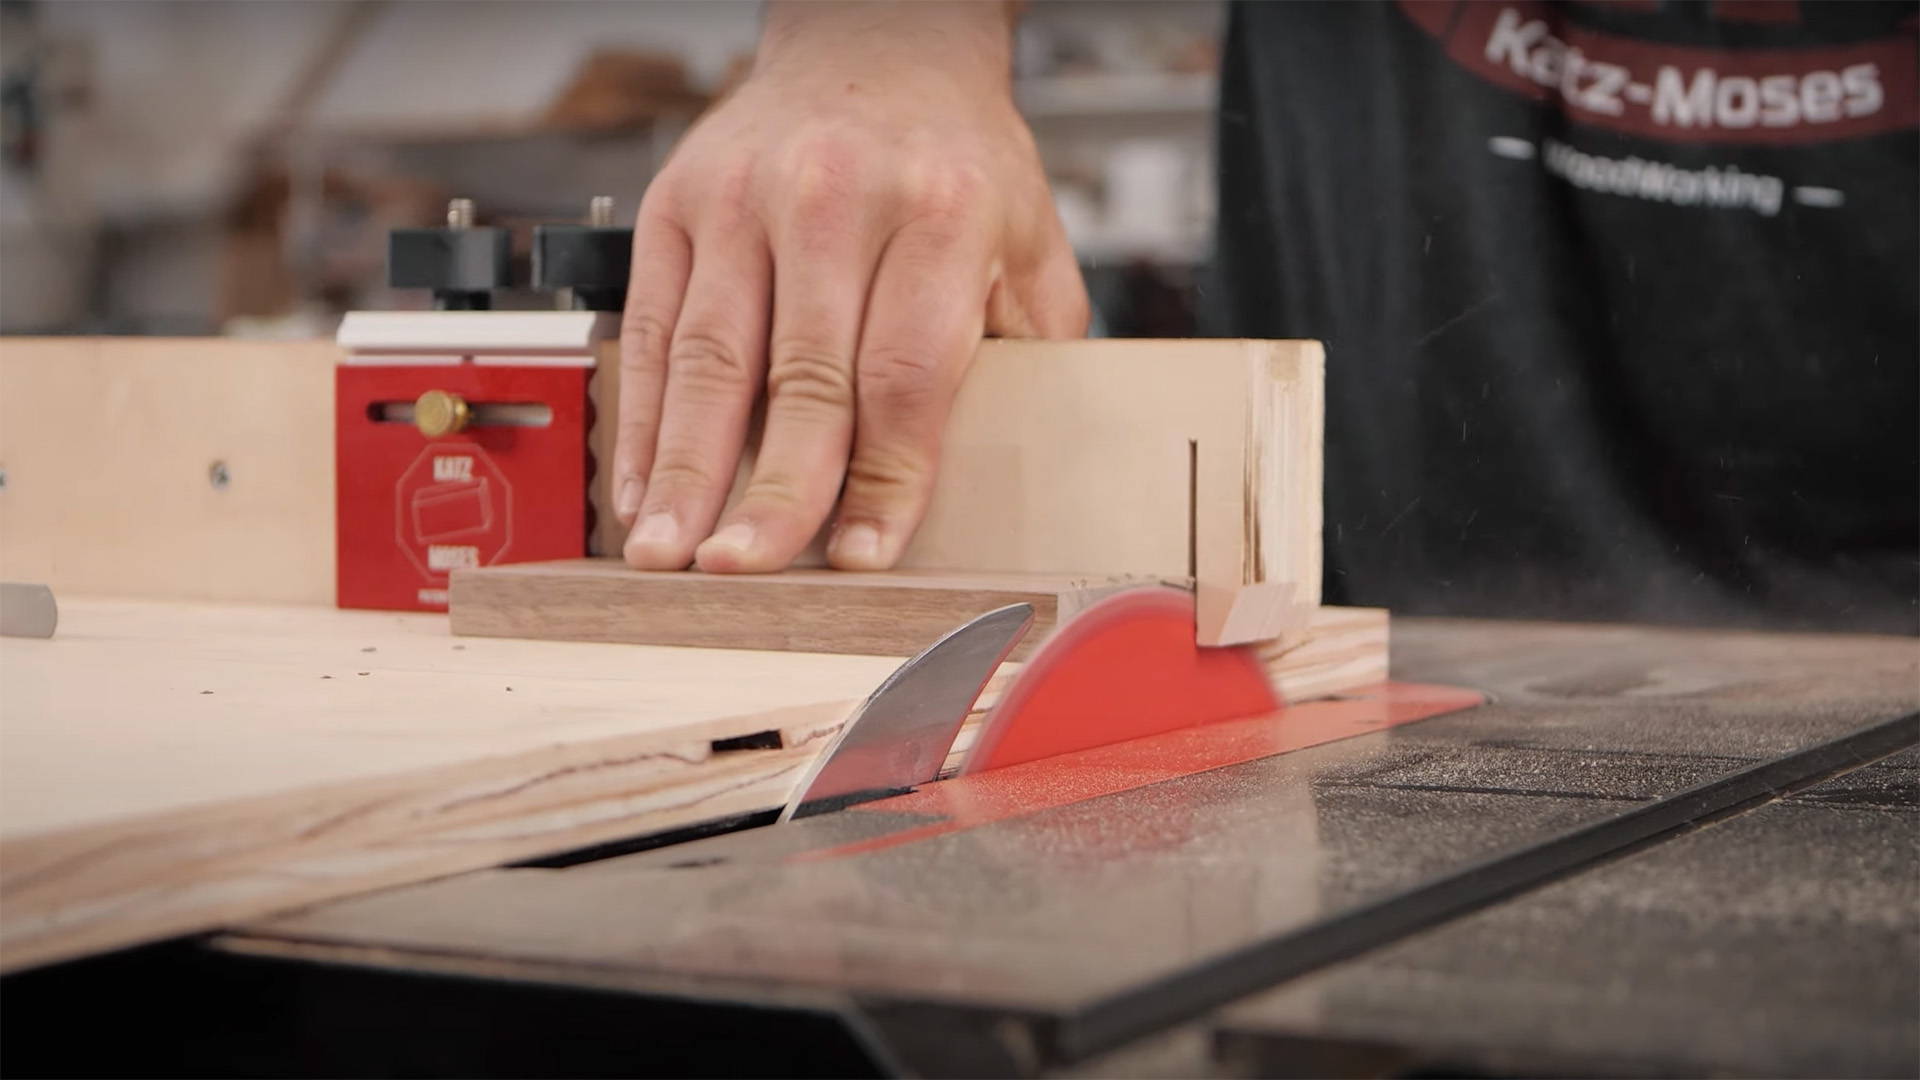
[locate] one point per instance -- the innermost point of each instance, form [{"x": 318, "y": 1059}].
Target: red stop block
[{"x": 412, "y": 509}]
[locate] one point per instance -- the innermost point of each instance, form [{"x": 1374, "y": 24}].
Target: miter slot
[
  {"x": 532, "y": 414},
  {"x": 633, "y": 845}
]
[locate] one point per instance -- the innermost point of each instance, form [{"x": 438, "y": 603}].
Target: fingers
[
  {"x": 924, "y": 320},
  {"x": 824, "y": 259},
  {"x": 662, "y": 258},
  {"x": 714, "y": 364}
]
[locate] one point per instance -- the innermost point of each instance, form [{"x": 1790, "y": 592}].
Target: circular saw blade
[{"x": 1124, "y": 668}]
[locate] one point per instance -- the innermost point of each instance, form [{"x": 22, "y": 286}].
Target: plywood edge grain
[
  {"x": 1256, "y": 518},
  {"x": 1287, "y": 470},
  {"x": 81, "y": 890}
]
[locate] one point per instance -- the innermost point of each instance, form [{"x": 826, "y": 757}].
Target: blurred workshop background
[{"x": 204, "y": 167}]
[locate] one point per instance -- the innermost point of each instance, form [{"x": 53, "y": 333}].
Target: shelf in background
[{"x": 1138, "y": 94}]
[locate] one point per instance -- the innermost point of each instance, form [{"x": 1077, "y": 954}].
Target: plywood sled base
[{"x": 171, "y": 768}]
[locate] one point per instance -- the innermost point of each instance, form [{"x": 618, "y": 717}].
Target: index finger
[{"x": 713, "y": 375}]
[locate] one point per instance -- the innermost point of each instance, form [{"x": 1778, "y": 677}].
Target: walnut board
[
  {"x": 167, "y": 768},
  {"x": 1193, "y": 460},
  {"x": 896, "y": 613}
]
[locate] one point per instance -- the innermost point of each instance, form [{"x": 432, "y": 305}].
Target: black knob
[
  {"x": 591, "y": 259},
  {"x": 461, "y": 263}
]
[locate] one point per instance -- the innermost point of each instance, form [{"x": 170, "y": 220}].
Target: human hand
[{"x": 839, "y": 232}]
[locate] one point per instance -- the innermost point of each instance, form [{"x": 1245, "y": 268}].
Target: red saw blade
[{"x": 1124, "y": 668}]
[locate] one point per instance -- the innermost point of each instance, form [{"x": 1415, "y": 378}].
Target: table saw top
[{"x": 1597, "y": 872}]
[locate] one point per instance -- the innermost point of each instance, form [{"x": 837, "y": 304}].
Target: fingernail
[
  {"x": 737, "y": 538},
  {"x": 626, "y": 504},
  {"x": 858, "y": 545},
  {"x": 657, "y": 529}
]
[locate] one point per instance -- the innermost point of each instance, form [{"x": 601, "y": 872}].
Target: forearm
[{"x": 970, "y": 41}]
